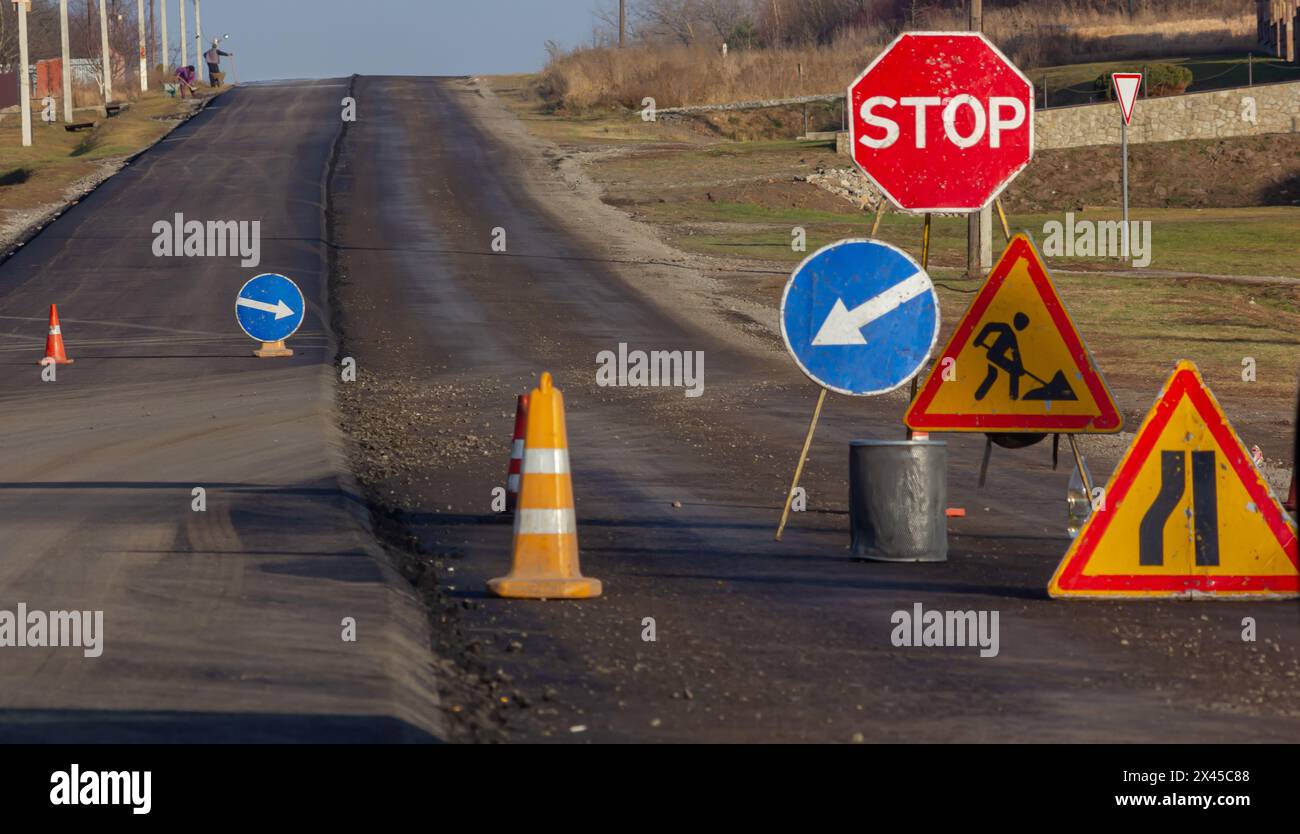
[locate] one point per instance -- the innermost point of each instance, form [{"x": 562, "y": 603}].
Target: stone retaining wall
[{"x": 1242, "y": 111}]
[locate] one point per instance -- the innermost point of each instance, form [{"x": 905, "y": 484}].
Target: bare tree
[
  {"x": 8, "y": 38},
  {"x": 819, "y": 21},
  {"x": 677, "y": 19},
  {"x": 84, "y": 35},
  {"x": 724, "y": 16},
  {"x": 42, "y": 32},
  {"x": 606, "y": 15}
]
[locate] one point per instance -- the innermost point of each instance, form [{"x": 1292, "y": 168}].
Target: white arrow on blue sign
[
  {"x": 860, "y": 317},
  {"x": 270, "y": 308}
]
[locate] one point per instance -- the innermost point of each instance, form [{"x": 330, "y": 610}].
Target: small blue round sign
[
  {"x": 270, "y": 308},
  {"x": 860, "y": 317}
]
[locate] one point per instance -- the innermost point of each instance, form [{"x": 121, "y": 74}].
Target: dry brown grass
[
  {"x": 1045, "y": 33},
  {"x": 677, "y": 76}
]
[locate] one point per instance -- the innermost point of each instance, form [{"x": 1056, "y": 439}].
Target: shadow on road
[{"x": 176, "y": 727}]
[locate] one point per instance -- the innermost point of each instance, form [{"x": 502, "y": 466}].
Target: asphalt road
[
  {"x": 226, "y": 624},
  {"x": 677, "y": 498},
  {"x": 218, "y": 625}
]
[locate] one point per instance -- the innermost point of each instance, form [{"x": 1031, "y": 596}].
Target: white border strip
[
  {"x": 551, "y": 522},
  {"x": 546, "y": 462}
]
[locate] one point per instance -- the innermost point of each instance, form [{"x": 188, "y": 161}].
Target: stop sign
[{"x": 941, "y": 121}]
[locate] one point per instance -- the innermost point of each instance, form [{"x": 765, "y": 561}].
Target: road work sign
[
  {"x": 860, "y": 317},
  {"x": 1016, "y": 362},
  {"x": 270, "y": 308},
  {"x": 941, "y": 121},
  {"x": 1186, "y": 514}
]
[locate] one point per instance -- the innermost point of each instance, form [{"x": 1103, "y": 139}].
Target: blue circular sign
[
  {"x": 860, "y": 317},
  {"x": 270, "y": 308}
]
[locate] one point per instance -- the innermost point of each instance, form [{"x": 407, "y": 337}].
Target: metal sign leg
[{"x": 803, "y": 456}]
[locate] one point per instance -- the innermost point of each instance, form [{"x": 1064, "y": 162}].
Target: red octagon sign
[{"x": 941, "y": 121}]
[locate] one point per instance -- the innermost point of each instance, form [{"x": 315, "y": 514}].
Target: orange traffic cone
[
  {"x": 516, "y": 453},
  {"x": 54, "y": 352},
  {"x": 546, "y": 532}
]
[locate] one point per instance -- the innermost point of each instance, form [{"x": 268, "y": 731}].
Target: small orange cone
[
  {"x": 517, "y": 454},
  {"x": 546, "y": 531},
  {"x": 54, "y": 352}
]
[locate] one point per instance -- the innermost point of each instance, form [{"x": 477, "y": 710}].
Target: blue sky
[{"x": 326, "y": 38}]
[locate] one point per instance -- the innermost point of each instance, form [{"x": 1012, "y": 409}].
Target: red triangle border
[
  {"x": 1107, "y": 420},
  {"x": 1185, "y": 382}
]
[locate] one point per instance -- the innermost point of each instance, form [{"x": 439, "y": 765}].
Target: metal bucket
[{"x": 898, "y": 492}]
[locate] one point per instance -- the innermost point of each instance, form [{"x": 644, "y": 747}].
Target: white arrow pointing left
[
  {"x": 281, "y": 310},
  {"x": 844, "y": 326}
]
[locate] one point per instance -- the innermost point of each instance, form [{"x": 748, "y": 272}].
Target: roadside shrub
[
  {"x": 1161, "y": 80},
  {"x": 1168, "y": 79}
]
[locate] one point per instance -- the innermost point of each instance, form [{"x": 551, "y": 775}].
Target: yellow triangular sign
[
  {"x": 1186, "y": 513},
  {"x": 1016, "y": 362}
]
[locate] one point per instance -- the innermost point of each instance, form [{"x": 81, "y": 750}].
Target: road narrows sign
[
  {"x": 1186, "y": 513},
  {"x": 270, "y": 308},
  {"x": 860, "y": 317},
  {"x": 941, "y": 121},
  {"x": 1016, "y": 362}
]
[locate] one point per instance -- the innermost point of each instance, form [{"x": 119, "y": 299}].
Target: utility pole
[
  {"x": 66, "y": 68},
  {"x": 107, "y": 58},
  {"x": 185, "y": 39},
  {"x": 979, "y": 224},
  {"x": 198, "y": 33},
  {"x": 622, "y": 23},
  {"x": 24, "y": 79},
  {"x": 166, "y": 49},
  {"x": 144, "y": 50}
]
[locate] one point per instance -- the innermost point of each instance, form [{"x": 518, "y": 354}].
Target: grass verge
[{"x": 33, "y": 178}]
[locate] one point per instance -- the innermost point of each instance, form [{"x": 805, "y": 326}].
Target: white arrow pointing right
[
  {"x": 281, "y": 310},
  {"x": 844, "y": 326}
]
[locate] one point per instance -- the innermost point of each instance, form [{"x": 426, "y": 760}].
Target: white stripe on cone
[
  {"x": 56, "y": 331},
  {"x": 517, "y": 451},
  {"x": 545, "y": 521},
  {"x": 546, "y": 462},
  {"x": 512, "y": 483}
]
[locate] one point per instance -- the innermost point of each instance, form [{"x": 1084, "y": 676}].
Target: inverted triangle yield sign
[
  {"x": 1016, "y": 362},
  {"x": 1186, "y": 513},
  {"x": 1127, "y": 85}
]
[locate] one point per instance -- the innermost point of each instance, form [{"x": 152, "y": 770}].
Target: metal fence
[
  {"x": 1248, "y": 71},
  {"x": 9, "y": 89}
]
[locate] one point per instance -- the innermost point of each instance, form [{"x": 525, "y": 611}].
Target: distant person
[
  {"x": 213, "y": 57},
  {"x": 185, "y": 80}
]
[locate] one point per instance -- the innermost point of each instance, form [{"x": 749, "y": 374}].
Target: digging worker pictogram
[{"x": 1004, "y": 355}]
